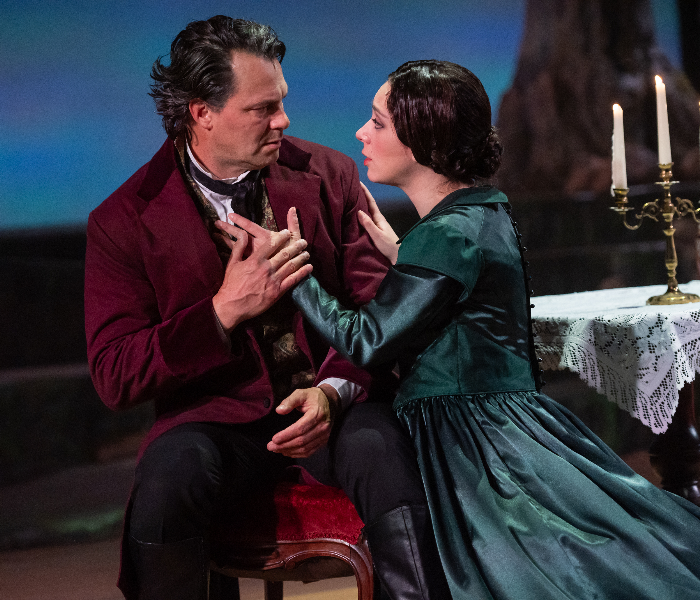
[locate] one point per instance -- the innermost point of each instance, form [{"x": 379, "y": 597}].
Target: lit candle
[
  {"x": 662, "y": 123},
  {"x": 619, "y": 167}
]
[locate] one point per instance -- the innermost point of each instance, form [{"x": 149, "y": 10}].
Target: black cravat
[{"x": 242, "y": 193}]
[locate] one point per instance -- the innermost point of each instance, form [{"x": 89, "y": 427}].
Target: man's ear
[{"x": 201, "y": 113}]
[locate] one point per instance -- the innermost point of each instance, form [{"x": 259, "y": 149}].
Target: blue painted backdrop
[{"x": 76, "y": 120}]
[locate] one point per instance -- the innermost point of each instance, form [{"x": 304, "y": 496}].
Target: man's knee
[
  {"x": 370, "y": 433},
  {"x": 175, "y": 487},
  {"x": 374, "y": 461}
]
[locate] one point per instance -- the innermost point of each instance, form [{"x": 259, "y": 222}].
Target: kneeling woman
[{"x": 526, "y": 502}]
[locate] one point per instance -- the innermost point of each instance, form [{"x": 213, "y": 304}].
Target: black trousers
[{"x": 186, "y": 474}]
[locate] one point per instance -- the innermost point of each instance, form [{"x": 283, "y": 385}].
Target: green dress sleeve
[
  {"x": 408, "y": 300},
  {"x": 449, "y": 245}
]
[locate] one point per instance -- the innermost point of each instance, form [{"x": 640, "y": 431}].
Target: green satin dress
[{"x": 527, "y": 503}]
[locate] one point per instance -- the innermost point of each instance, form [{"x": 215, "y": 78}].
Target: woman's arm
[{"x": 408, "y": 300}]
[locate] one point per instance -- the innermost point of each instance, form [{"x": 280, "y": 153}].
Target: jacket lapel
[
  {"x": 290, "y": 184},
  {"x": 287, "y": 188},
  {"x": 175, "y": 232}
]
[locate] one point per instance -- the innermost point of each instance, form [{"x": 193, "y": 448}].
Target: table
[{"x": 642, "y": 357}]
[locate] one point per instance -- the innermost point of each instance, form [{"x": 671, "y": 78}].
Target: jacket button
[{"x": 266, "y": 403}]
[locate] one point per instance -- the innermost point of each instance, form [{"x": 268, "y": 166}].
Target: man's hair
[
  {"x": 200, "y": 66},
  {"x": 442, "y": 113}
]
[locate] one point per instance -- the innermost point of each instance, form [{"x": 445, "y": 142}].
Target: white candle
[
  {"x": 662, "y": 123},
  {"x": 619, "y": 167}
]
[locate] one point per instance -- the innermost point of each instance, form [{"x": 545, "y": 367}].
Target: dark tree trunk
[
  {"x": 578, "y": 58},
  {"x": 689, "y": 17}
]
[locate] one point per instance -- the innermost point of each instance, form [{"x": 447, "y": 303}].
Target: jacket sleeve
[
  {"x": 134, "y": 354},
  {"x": 408, "y": 301}
]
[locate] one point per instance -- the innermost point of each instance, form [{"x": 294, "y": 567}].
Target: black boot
[
  {"x": 405, "y": 555},
  {"x": 172, "y": 571}
]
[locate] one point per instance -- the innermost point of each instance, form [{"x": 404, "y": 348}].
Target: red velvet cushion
[{"x": 295, "y": 512}]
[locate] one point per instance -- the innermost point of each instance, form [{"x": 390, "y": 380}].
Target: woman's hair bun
[
  {"x": 440, "y": 110},
  {"x": 467, "y": 163}
]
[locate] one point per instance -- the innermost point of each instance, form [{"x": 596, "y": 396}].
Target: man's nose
[{"x": 280, "y": 120}]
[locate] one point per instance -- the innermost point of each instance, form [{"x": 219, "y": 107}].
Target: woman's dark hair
[
  {"x": 441, "y": 112},
  {"x": 200, "y": 66}
]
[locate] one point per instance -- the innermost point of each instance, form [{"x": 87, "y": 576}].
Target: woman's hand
[
  {"x": 259, "y": 236},
  {"x": 379, "y": 230}
]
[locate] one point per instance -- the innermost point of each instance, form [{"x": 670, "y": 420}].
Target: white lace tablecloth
[{"x": 638, "y": 356}]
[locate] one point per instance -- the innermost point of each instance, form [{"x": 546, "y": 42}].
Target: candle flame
[
  {"x": 617, "y": 107},
  {"x": 659, "y": 81}
]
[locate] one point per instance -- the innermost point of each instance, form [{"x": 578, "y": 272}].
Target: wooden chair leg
[{"x": 274, "y": 590}]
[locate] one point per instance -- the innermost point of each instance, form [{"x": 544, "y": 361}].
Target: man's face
[{"x": 246, "y": 133}]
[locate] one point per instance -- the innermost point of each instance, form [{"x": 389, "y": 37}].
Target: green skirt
[{"x": 528, "y": 504}]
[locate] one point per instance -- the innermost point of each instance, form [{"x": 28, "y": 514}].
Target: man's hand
[
  {"x": 312, "y": 430},
  {"x": 253, "y": 284}
]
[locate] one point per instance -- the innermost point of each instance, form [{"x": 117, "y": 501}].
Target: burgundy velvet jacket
[{"x": 152, "y": 270}]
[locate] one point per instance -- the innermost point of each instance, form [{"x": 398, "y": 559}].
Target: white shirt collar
[
  {"x": 220, "y": 202},
  {"x": 201, "y": 168}
]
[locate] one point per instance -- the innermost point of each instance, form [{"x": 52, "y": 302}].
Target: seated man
[{"x": 178, "y": 313}]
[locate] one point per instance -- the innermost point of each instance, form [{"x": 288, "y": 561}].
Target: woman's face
[{"x": 387, "y": 159}]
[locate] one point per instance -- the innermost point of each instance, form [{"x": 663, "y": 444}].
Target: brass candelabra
[{"x": 667, "y": 210}]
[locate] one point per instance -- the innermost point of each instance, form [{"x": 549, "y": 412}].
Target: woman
[{"x": 526, "y": 502}]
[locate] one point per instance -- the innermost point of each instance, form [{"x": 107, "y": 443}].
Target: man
[{"x": 179, "y": 313}]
